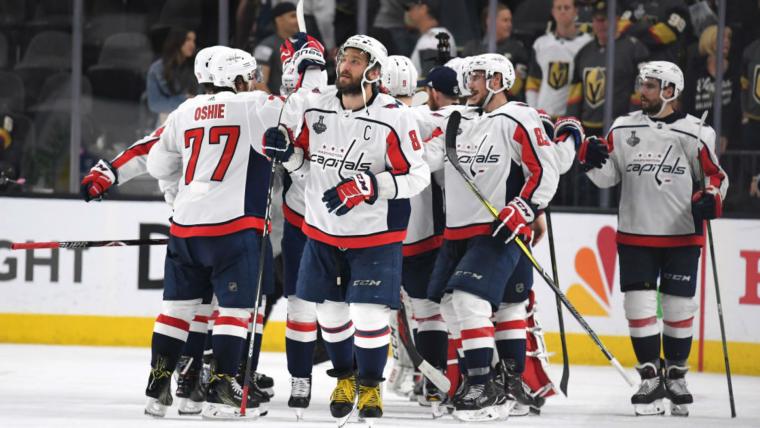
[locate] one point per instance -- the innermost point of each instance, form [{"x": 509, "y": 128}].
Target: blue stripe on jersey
[
  {"x": 398, "y": 214},
  {"x": 256, "y": 184}
]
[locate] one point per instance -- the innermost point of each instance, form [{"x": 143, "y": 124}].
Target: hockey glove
[
  {"x": 546, "y": 120},
  {"x": 514, "y": 220},
  {"x": 95, "y": 185},
  {"x": 351, "y": 192},
  {"x": 593, "y": 153},
  {"x": 569, "y": 125},
  {"x": 706, "y": 205},
  {"x": 277, "y": 144},
  {"x": 300, "y": 41}
]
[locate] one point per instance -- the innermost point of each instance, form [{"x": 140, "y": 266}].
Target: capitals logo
[
  {"x": 475, "y": 157},
  {"x": 341, "y": 158},
  {"x": 657, "y": 164}
]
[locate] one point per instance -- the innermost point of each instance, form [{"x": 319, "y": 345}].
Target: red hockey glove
[
  {"x": 513, "y": 221},
  {"x": 351, "y": 192},
  {"x": 300, "y": 40},
  {"x": 593, "y": 153},
  {"x": 95, "y": 185},
  {"x": 546, "y": 120},
  {"x": 706, "y": 205},
  {"x": 570, "y": 125}
]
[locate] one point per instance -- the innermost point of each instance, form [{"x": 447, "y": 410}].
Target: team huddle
[{"x": 377, "y": 217}]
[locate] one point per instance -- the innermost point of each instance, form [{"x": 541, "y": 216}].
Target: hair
[
  {"x": 484, "y": 13},
  {"x": 573, "y": 2},
  {"x": 172, "y": 57},
  {"x": 708, "y": 40}
]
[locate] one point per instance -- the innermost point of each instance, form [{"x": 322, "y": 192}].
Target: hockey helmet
[
  {"x": 459, "y": 65},
  {"x": 228, "y": 65},
  {"x": 667, "y": 73},
  {"x": 202, "y": 61},
  {"x": 399, "y": 76}
]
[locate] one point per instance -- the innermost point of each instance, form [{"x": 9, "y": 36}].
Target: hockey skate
[
  {"x": 223, "y": 400},
  {"x": 433, "y": 397},
  {"x": 678, "y": 394},
  {"x": 648, "y": 399},
  {"x": 159, "y": 389},
  {"x": 255, "y": 393},
  {"x": 343, "y": 397},
  {"x": 370, "y": 403},
  {"x": 482, "y": 403},
  {"x": 264, "y": 383},
  {"x": 522, "y": 403},
  {"x": 300, "y": 395},
  {"x": 189, "y": 389}
]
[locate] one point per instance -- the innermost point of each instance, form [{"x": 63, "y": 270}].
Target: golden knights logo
[
  {"x": 320, "y": 126},
  {"x": 756, "y": 84},
  {"x": 593, "y": 86},
  {"x": 559, "y": 74}
]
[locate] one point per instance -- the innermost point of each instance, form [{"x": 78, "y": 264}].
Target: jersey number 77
[{"x": 194, "y": 139}]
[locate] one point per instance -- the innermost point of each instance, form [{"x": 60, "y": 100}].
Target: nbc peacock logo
[{"x": 597, "y": 272}]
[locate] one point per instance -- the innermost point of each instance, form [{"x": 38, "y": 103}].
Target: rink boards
[{"x": 110, "y": 296}]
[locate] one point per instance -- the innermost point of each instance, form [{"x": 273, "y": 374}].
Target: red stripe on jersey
[
  {"x": 659, "y": 241},
  {"x": 157, "y": 133},
  {"x": 233, "y": 321},
  {"x": 476, "y": 333},
  {"x": 419, "y": 247},
  {"x": 643, "y": 322},
  {"x": 303, "y": 138},
  {"x": 291, "y": 216},
  {"x": 200, "y": 318},
  {"x": 511, "y": 325},
  {"x": 233, "y": 226},
  {"x": 610, "y": 143},
  {"x": 365, "y": 241},
  {"x": 680, "y": 324},
  {"x": 436, "y": 133},
  {"x": 301, "y": 326},
  {"x": 174, "y": 322},
  {"x": 529, "y": 159},
  {"x": 133, "y": 152},
  {"x": 466, "y": 232},
  {"x": 711, "y": 170},
  {"x": 396, "y": 155}
]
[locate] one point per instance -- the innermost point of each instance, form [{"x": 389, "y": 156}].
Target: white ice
[{"x": 68, "y": 386}]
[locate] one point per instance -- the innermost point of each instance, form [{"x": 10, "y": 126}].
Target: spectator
[
  {"x": 267, "y": 53},
  {"x": 750, "y": 84},
  {"x": 422, "y": 14},
  {"x": 754, "y": 188},
  {"x": 587, "y": 96},
  {"x": 511, "y": 48},
  {"x": 660, "y": 24},
  {"x": 390, "y": 20},
  {"x": 171, "y": 79},
  {"x": 699, "y": 88},
  {"x": 552, "y": 65}
]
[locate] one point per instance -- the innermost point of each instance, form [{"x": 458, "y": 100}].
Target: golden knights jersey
[
  {"x": 487, "y": 144},
  {"x": 551, "y": 70},
  {"x": 334, "y": 144},
  {"x": 212, "y": 144},
  {"x": 658, "y": 166}
]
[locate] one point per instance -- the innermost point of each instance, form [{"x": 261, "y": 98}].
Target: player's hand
[
  {"x": 513, "y": 221},
  {"x": 569, "y": 125},
  {"x": 546, "y": 120},
  {"x": 539, "y": 230},
  {"x": 707, "y": 204},
  {"x": 351, "y": 192},
  {"x": 289, "y": 47},
  {"x": 593, "y": 153},
  {"x": 277, "y": 144},
  {"x": 309, "y": 56},
  {"x": 95, "y": 185}
]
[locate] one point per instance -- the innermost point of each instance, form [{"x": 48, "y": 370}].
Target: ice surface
[{"x": 69, "y": 386}]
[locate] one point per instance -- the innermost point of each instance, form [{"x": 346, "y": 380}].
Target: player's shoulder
[
  {"x": 192, "y": 103},
  {"x": 544, "y": 41},
  {"x": 518, "y": 111},
  {"x": 632, "y": 119},
  {"x": 690, "y": 126}
]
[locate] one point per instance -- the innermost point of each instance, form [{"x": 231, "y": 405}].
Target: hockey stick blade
[
  {"x": 300, "y": 17},
  {"x": 451, "y": 154},
  {"x": 431, "y": 373},
  {"x": 85, "y": 244}
]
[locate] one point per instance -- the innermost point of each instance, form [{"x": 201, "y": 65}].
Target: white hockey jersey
[
  {"x": 334, "y": 144},
  {"x": 551, "y": 71},
  {"x": 487, "y": 144},
  {"x": 212, "y": 144},
  {"x": 133, "y": 162},
  {"x": 658, "y": 163}
]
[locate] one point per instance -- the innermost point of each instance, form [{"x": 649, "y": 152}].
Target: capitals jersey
[
  {"x": 551, "y": 70},
  {"x": 334, "y": 144},
  {"x": 658, "y": 163},
  {"x": 133, "y": 162},
  {"x": 487, "y": 144},
  {"x": 212, "y": 144}
]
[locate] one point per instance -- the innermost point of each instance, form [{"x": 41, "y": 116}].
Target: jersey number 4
[{"x": 194, "y": 139}]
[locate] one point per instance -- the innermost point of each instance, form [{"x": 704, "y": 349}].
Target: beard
[
  {"x": 352, "y": 87},
  {"x": 651, "y": 108}
]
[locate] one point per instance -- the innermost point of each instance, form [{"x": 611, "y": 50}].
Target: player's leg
[
  {"x": 639, "y": 269},
  {"x": 184, "y": 285},
  {"x": 189, "y": 367},
  {"x": 374, "y": 289},
  {"x": 678, "y": 287}
]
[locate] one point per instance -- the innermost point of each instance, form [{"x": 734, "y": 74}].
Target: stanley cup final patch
[
  {"x": 633, "y": 140},
  {"x": 319, "y": 127}
]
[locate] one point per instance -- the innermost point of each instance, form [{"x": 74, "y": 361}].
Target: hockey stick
[
  {"x": 560, "y": 317},
  {"x": 451, "y": 154},
  {"x": 262, "y": 254},
  {"x": 85, "y": 244},
  {"x": 434, "y": 375},
  {"x": 703, "y": 185}
]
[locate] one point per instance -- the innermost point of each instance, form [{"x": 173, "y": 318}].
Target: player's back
[{"x": 224, "y": 176}]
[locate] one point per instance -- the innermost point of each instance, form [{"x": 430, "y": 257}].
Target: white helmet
[
  {"x": 400, "y": 76},
  {"x": 289, "y": 78},
  {"x": 369, "y": 45},
  {"x": 459, "y": 65},
  {"x": 667, "y": 73},
  {"x": 491, "y": 64},
  {"x": 227, "y": 65},
  {"x": 202, "y": 61}
]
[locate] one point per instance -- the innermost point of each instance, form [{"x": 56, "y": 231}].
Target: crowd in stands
[{"x": 137, "y": 58}]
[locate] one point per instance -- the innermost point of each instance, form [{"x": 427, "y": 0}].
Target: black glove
[
  {"x": 277, "y": 144},
  {"x": 593, "y": 153}
]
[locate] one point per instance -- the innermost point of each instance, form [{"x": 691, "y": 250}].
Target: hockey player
[
  {"x": 479, "y": 252},
  {"x": 211, "y": 146},
  {"x": 363, "y": 155},
  {"x": 661, "y": 156}
]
